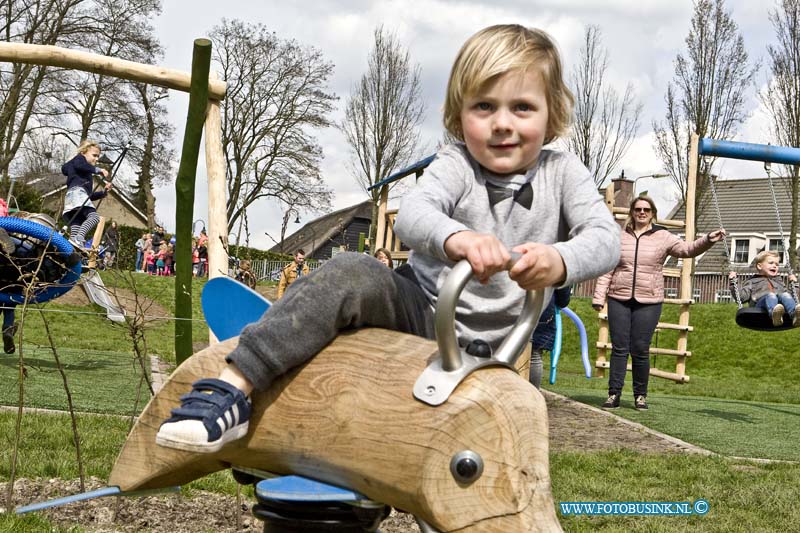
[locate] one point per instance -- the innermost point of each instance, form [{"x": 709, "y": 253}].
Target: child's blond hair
[
  {"x": 497, "y": 50},
  {"x": 765, "y": 254},
  {"x": 87, "y": 145}
]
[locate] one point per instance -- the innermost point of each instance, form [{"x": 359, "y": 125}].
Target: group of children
[{"x": 155, "y": 260}]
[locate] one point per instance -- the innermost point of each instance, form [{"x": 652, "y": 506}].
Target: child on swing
[
  {"x": 79, "y": 212},
  {"x": 766, "y": 291},
  {"x": 494, "y": 192}
]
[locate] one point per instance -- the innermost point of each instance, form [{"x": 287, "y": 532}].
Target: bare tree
[
  {"x": 706, "y": 95},
  {"x": 152, "y": 151},
  {"x": 781, "y": 98},
  {"x": 605, "y": 122},
  {"x": 90, "y": 105},
  {"x": 383, "y": 116},
  {"x": 21, "y": 85},
  {"x": 277, "y": 93}
]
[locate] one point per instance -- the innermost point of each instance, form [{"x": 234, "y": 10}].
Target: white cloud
[{"x": 642, "y": 38}]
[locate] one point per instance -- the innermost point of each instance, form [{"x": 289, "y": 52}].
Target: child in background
[
  {"x": 544, "y": 336},
  {"x": 195, "y": 258},
  {"x": 79, "y": 212},
  {"x": 160, "y": 256},
  {"x": 169, "y": 260},
  {"x": 150, "y": 262},
  {"x": 766, "y": 291},
  {"x": 505, "y": 99}
]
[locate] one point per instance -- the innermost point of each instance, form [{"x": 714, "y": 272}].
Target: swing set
[{"x": 753, "y": 317}]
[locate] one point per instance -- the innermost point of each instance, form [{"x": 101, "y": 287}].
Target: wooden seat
[{"x": 348, "y": 418}]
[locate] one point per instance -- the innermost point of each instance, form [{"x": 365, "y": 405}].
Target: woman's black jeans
[{"x": 631, "y": 325}]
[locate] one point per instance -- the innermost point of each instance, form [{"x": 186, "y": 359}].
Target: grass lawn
[
  {"x": 730, "y": 427},
  {"x": 743, "y": 399}
]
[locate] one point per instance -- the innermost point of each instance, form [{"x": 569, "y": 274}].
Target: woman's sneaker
[
  {"x": 612, "y": 402},
  {"x": 796, "y": 320},
  {"x": 641, "y": 403},
  {"x": 211, "y": 415},
  {"x": 777, "y": 315}
]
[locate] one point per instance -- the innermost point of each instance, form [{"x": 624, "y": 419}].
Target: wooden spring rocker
[{"x": 348, "y": 417}]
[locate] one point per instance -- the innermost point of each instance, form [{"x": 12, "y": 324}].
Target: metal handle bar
[{"x": 444, "y": 374}]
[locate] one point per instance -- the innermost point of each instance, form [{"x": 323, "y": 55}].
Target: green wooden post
[
  {"x": 184, "y": 197},
  {"x": 361, "y": 242}
]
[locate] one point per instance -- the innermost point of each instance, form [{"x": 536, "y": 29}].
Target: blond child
[
  {"x": 766, "y": 291},
  {"x": 79, "y": 213},
  {"x": 505, "y": 100}
]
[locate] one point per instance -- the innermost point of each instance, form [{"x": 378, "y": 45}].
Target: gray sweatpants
[{"x": 350, "y": 291}]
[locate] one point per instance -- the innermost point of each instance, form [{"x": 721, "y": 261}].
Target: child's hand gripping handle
[{"x": 438, "y": 381}]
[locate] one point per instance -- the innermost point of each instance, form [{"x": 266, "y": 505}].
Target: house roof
[
  {"x": 746, "y": 209},
  {"x": 313, "y": 235},
  {"x": 52, "y": 184}
]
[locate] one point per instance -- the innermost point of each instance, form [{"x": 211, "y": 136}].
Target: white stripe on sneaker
[
  {"x": 235, "y": 412},
  {"x": 221, "y": 424},
  {"x": 228, "y": 418}
]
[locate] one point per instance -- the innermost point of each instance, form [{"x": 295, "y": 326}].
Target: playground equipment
[
  {"x": 36, "y": 239},
  {"x": 213, "y": 91},
  {"x": 348, "y": 418},
  {"x": 99, "y": 294},
  {"x": 751, "y": 317},
  {"x": 556, "y": 355},
  {"x": 684, "y": 300}
]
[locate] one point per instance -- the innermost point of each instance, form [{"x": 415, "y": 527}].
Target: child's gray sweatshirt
[{"x": 555, "y": 202}]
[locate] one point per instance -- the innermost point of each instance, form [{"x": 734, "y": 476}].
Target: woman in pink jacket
[{"x": 635, "y": 292}]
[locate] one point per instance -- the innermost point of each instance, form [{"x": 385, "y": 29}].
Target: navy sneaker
[{"x": 211, "y": 415}]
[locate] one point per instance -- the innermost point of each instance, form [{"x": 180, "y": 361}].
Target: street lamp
[{"x": 654, "y": 176}]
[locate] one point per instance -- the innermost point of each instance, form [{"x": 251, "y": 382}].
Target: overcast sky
[{"x": 642, "y": 38}]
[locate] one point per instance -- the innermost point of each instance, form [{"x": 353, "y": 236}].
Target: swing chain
[
  {"x": 727, "y": 264},
  {"x": 792, "y": 284}
]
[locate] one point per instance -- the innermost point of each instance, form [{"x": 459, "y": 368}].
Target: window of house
[
  {"x": 776, "y": 245},
  {"x": 741, "y": 251}
]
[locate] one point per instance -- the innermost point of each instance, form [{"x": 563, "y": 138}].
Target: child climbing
[
  {"x": 766, "y": 291},
  {"x": 544, "y": 336},
  {"x": 79, "y": 213},
  {"x": 505, "y": 100}
]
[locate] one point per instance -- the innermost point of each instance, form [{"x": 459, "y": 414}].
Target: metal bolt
[{"x": 466, "y": 466}]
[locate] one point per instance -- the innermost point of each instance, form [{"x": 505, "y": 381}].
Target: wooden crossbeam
[
  {"x": 660, "y": 325},
  {"x": 678, "y": 378},
  {"x": 654, "y": 351}
]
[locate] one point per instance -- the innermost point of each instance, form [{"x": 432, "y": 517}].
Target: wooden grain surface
[{"x": 348, "y": 417}]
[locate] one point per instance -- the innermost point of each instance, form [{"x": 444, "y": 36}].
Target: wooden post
[
  {"x": 184, "y": 197},
  {"x": 217, "y": 207},
  {"x": 688, "y": 264},
  {"x": 380, "y": 233},
  {"x": 55, "y": 56},
  {"x": 602, "y": 333},
  {"x": 96, "y": 239}
]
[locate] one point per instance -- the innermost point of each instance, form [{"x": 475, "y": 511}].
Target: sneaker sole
[
  {"x": 612, "y": 407},
  {"x": 234, "y": 434}
]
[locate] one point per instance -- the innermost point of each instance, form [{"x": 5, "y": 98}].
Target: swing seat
[
  {"x": 34, "y": 235},
  {"x": 759, "y": 320}
]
